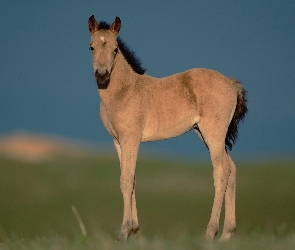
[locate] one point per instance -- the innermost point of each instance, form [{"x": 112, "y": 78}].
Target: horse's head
[{"x": 104, "y": 47}]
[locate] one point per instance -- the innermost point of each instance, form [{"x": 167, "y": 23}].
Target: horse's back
[
  {"x": 208, "y": 79},
  {"x": 175, "y": 104}
]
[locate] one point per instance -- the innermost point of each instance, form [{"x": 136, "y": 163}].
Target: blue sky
[{"x": 47, "y": 84}]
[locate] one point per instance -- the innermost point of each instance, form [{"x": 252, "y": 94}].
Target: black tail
[{"x": 239, "y": 115}]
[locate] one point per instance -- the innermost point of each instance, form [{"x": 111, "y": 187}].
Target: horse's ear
[
  {"x": 92, "y": 24},
  {"x": 116, "y": 26}
]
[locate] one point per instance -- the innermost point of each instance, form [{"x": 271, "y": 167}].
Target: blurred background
[
  {"x": 59, "y": 153},
  {"x": 47, "y": 83}
]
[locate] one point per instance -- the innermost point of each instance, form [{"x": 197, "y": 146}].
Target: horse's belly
[
  {"x": 163, "y": 136},
  {"x": 164, "y": 130}
]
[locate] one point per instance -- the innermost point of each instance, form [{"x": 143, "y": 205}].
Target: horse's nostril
[
  {"x": 96, "y": 73},
  {"x": 101, "y": 73}
]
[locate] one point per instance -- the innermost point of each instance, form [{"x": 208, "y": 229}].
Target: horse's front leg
[{"x": 127, "y": 151}]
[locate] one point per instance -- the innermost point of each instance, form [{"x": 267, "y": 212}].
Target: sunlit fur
[
  {"x": 136, "y": 107},
  {"x": 128, "y": 53}
]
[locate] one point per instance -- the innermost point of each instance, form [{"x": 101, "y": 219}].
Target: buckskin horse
[{"x": 136, "y": 107}]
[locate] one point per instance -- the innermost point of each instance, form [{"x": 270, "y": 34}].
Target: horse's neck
[{"x": 122, "y": 79}]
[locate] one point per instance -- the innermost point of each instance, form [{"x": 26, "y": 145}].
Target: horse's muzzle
[{"x": 102, "y": 77}]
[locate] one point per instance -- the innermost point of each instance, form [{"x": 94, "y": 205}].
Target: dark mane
[
  {"x": 103, "y": 25},
  {"x": 130, "y": 57},
  {"x": 128, "y": 53}
]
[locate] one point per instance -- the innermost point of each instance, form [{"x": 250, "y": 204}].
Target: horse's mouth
[{"x": 102, "y": 79}]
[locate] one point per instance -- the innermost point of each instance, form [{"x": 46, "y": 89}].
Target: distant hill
[{"x": 34, "y": 147}]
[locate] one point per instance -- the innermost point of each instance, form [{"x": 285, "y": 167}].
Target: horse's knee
[{"x": 126, "y": 184}]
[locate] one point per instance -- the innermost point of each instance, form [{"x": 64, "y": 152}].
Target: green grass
[
  {"x": 103, "y": 242},
  {"x": 174, "y": 204}
]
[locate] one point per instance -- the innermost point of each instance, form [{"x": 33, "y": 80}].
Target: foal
[{"x": 136, "y": 108}]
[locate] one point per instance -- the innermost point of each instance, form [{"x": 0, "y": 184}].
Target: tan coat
[{"x": 138, "y": 108}]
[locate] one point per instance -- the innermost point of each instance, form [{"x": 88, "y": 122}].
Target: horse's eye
[
  {"x": 91, "y": 48},
  {"x": 116, "y": 50}
]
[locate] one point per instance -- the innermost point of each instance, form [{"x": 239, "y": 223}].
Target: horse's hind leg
[
  {"x": 229, "y": 227},
  {"x": 220, "y": 176},
  {"x": 213, "y": 136}
]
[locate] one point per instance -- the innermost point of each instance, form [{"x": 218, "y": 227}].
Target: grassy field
[{"x": 174, "y": 204}]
